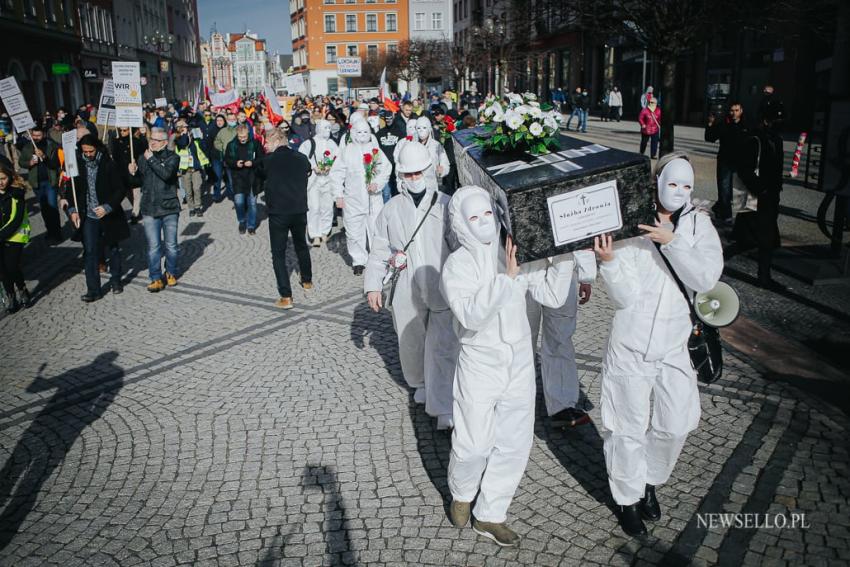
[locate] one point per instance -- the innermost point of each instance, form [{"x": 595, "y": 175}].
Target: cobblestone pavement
[{"x": 201, "y": 426}]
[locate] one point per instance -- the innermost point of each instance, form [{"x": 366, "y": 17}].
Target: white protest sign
[
  {"x": 69, "y": 147},
  {"x": 128, "y": 94},
  {"x": 15, "y": 104},
  {"x": 295, "y": 84},
  {"x": 160, "y": 103},
  {"x": 348, "y": 66},
  {"x": 106, "y": 108}
]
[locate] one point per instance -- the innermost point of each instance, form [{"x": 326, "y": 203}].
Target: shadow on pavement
[
  {"x": 335, "y": 528},
  {"x": 43, "y": 446}
]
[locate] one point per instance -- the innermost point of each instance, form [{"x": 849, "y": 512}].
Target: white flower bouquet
[{"x": 519, "y": 122}]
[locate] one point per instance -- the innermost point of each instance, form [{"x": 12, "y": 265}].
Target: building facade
[
  {"x": 249, "y": 60},
  {"x": 431, "y": 20},
  {"x": 218, "y": 65},
  {"x": 323, "y": 30}
]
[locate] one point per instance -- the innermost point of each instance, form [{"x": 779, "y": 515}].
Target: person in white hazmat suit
[
  {"x": 427, "y": 342},
  {"x": 494, "y": 387},
  {"x": 439, "y": 157},
  {"x": 646, "y": 368},
  {"x": 409, "y": 138},
  {"x": 320, "y": 193},
  {"x": 346, "y": 138},
  {"x": 360, "y": 199},
  {"x": 558, "y": 369}
]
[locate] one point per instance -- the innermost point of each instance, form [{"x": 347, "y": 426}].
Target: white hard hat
[{"x": 413, "y": 157}]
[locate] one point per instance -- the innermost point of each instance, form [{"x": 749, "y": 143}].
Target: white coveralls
[
  {"x": 647, "y": 356},
  {"x": 320, "y": 192},
  {"x": 427, "y": 342},
  {"x": 361, "y": 208},
  {"x": 558, "y": 368},
  {"x": 439, "y": 157},
  {"x": 494, "y": 387}
]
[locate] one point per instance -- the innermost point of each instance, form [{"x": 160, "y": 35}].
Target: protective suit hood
[
  {"x": 360, "y": 132},
  {"x": 675, "y": 184},
  {"x": 323, "y": 130},
  {"x": 411, "y": 129},
  {"x": 466, "y": 201},
  {"x": 423, "y": 128}
]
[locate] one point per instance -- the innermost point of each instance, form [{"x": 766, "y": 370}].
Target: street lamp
[{"x": 161, "y": 44}]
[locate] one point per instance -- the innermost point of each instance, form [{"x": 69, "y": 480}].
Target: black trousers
[
  {"x": 279, "y": 228},
  {"x": 11, "y": 255}
]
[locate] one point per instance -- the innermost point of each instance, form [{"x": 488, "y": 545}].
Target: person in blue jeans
[
  {"x": 240, "y": 157},
  {"x": 156, "y": 170},
  {"x": 575, "y": 103},
  {"x": 222, "y": 174}
]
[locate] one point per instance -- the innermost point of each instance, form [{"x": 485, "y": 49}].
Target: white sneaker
[{"x": 419, "y": 395}]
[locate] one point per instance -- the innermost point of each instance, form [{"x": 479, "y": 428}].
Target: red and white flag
[
  {"x": 272, "y": 106},
  {"x": 384, "y": 93},
  {"x": 227, "y": 100}
]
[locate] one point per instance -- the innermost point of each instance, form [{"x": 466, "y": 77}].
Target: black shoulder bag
[{"x": 704, "y": 343}]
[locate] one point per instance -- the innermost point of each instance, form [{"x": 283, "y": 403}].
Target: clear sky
[{"x": 269, "y": 19}]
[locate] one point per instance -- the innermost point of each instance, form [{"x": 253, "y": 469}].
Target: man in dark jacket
[
  {"x": 120, "y": 149},
  {"x": 156, "y": 170},
  {"x": 285, "y": 173},
  {"x": 387, "y": 140},
  {"x": 99, "y": 191},
  {"x": 760, "y": 168},
  {"x": 240, "y": 157},
  {"x": 41, "y": 158},
  {"x": 730, "y": 132}
]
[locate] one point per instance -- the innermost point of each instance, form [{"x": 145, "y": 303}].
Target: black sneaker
[
  {"x": 252, "y": 231},
  {"x": 570, "y": 417},
  {"x": 25, "y": 298},
  {"x": 191, "y": 212},
  {"x": 241, "y": 229},
  {"x": 199, "y": 212},
  {"x": 90, "y": 297},
  {"x": 117, "y": 289},
  {"x": 358, "y": 270}
]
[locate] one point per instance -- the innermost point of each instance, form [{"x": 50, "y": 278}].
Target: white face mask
[
  {"x": 374, "y": 122},
  {"x": 361, "y": 133},
  {"x": 423, "y": 128},
  {"x": 415, "y": 186},
  {"x": 335, "y": 128},
  {"x": 477, "y": 211},
  {"x": 323, "y": 130},
  {"x": 411, "y": 128},
  {"x": 675, "y": 184}
]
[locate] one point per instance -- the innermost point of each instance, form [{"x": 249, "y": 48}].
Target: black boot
[
  {"x": 26, "y": 299},
  {"x": 12, "y": 303},
  {"x": 649, "y": 507},
  {"x": 630, "y": 521}
]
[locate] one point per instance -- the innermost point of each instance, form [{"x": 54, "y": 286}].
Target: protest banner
[
  {"x": 106, "y": 108},
  {"x": 16, "y": 106},
  {"x": 127, "y": 90}
]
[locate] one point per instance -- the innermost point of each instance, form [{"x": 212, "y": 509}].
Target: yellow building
[{"x": 323, "y": 30}]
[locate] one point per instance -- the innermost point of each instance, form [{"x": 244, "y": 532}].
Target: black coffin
[{"x": 523, "y": 186}]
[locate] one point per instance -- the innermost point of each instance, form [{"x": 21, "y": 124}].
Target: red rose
[
  {"x": 409, "y": 138},
  {"x": 374, "y": 151},
  {"x": 327, "y": 153},
  {"x": 367, "y": 158}
]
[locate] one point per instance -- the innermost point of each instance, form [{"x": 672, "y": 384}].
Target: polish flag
[
  {"x": 272, "y": 106},
  {"x": 384, "y": 93}
]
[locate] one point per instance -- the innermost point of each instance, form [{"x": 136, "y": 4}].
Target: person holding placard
[
  {"x": 14, "y": 235},
  {"x": 41, "y": 158},
  {"x": 98, "y": 192}
]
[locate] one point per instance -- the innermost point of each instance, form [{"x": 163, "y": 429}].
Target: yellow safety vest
[
  {"x": 22, "y": 236},
  {"x": 186, "y": 157}
]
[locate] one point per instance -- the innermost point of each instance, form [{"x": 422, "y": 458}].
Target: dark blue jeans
[
  {"x": 246, "y": 209},
  {"x": 222, "y": 175},
  {"x": 93, "y": 242},
  {"x": 725, "y": 174},
  {"x": 653, "y": 143},
  {"x": 48, "y": 202},
  {"x": 157, "y": 231}
]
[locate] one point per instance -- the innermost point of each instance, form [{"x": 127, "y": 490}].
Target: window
[
  {"x": 330, "y": 23},
  {"x": 371, "y": 51},
  {"x": 371, "y": 1},
  {"x": 392, "y": 48},
  {"x": 350, "y": 1},
  {"x": 330, "y": 54},
  {"x": 333, "y": 86},
  {"x": 392, "y": 23},
  {"x": 330, "y": 1},
  {"x": 390, "y": 1},
  {"x": 437, "y": 21},
  {"x": 419, "y": 21},
  {"x": 465, "y": 8},
  {"x": 351, "y": 51},
  {"x": 351, "y": 22},
  {"x": 371, "y": 22}
]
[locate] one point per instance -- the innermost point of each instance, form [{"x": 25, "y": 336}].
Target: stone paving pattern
[{"x": 202, "y": 426}]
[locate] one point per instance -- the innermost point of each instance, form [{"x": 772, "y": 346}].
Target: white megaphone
[{"x": 718, "y": 307}]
